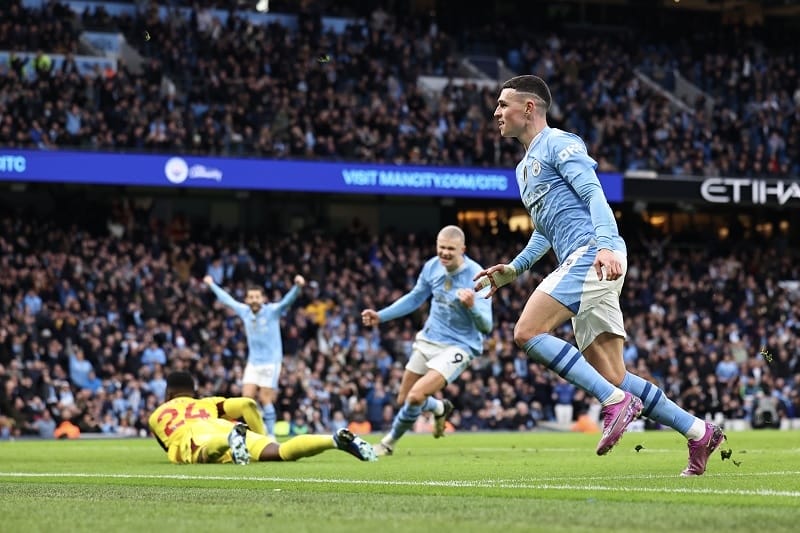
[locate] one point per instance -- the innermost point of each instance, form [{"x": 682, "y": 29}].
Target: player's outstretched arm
[
  {"x": 495, "y": 277},
  {"x": 222, "y": 295},
  {"x": 369, "y": 317},
  {"x": 407, "y": 303},
  {"x": 289, "y": 298},
  {"x": 480, "y": 310},
  {"x": 537, "y": 246},
  {"x": 503, "y": 274},
  {"x": 244, "y": 408}
]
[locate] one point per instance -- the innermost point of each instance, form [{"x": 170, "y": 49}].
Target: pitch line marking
[
  {"x": 481, "y": 484},
  {"x": 677, "y": 450}
]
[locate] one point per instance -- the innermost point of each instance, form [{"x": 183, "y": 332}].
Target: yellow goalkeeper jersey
[{"x": 170, "y": 421}]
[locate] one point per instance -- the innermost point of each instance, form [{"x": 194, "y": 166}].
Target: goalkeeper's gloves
[{"x": 501, "y": 276}]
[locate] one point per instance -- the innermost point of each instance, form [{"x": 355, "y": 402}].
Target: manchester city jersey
[
  {"x": 557, "y": 184},
  {"x": 449, "y": 321}
]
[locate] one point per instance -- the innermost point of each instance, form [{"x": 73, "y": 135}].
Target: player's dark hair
[
  {"x": 180, "y": 382},
  {"x": 530, "y": 84},
  {"x": 255, "y": 287}
]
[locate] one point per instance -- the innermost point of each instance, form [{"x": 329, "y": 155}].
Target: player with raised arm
[
  {"x": 451, "y": 338},
  {"x": 570, "y": 213},
  {"x": 264, "y": 345},
  {"x": 206, "y": 430}
]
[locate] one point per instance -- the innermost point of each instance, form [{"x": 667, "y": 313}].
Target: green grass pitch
[{"x": 465, "y": 482}]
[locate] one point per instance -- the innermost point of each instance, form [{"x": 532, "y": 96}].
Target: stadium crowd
[
  {"x": 90, "y": 323},
  {"x": 242, "y": 89}
]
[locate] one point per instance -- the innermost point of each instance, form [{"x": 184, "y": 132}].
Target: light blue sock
[
  {"x": 656, "y": 404},
  {"x": 404, "y": 420},
  {"x": 565, "y": 360},
  {"x": 431, "y": 404},
  {"x": 270, "y": 417}
]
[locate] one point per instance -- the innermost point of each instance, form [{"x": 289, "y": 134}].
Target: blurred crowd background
[
  {"x": 239, "y": 88},
  {"x": 90, "y": 323},
  {"x": 92, "y": 317}
]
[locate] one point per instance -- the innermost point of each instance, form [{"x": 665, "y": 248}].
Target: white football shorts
[
  {"x": 449, "y": 361},
  {"x": 594, "y": 302},
  {"x": 263, "y": 375}
]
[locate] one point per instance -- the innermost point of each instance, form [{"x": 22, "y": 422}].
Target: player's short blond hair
[{"x": 453, "y": 233}]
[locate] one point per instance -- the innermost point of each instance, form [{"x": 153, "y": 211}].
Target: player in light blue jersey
[
  {"x": 571, "y": 215},
  {"x": 451, "y": 338},
  {"x": 264, "y": 344}
]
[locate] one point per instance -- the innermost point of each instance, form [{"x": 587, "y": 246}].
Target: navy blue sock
[
  {"x": 565, "y": 360},
  {"x": 404, "y": 420},
  {"x": 656, "y": 404}
]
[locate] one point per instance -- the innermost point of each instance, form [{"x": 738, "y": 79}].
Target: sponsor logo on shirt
[
  {"x": 569, "y": 151},
  {"x": 533, "y": 198}
]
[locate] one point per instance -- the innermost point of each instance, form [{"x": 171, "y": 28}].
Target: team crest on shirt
[{"x": 536, "y": 168}]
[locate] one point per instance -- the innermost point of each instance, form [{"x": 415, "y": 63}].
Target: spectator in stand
[
  {"x": 364, "y": 102},
  {"x": 680, "y": 307}
]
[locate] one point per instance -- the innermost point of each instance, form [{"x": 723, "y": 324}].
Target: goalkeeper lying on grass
[{"x": 206, "y": 430}]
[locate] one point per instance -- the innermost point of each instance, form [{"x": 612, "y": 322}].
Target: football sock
[
  {"x": 305, "y": 446},
  {"x": 404, "y": 420},
  {"x": 270, "y": 417},
  {"x": 433, "y": 405},
  {"x": 661, "y": 409},
  {"x": 697, "y": 430},
  {"x": 617, "y": 396},
  {"x": 566, "y": 361}
]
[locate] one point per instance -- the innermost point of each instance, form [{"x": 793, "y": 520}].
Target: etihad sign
[{"x": 757, "y": 191}]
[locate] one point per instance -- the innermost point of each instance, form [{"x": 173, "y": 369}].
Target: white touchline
[
  {"x": 481, "y": 484},
  {"x": 529, "y": 449}
]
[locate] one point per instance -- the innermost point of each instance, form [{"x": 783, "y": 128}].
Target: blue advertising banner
[{"x": 265, "y": 174}]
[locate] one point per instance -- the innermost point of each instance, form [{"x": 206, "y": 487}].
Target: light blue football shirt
[
  {"x": 263, "y": 329},
  {"x": 449, "y": 321},
  {"x": 560, "y": 190}
]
